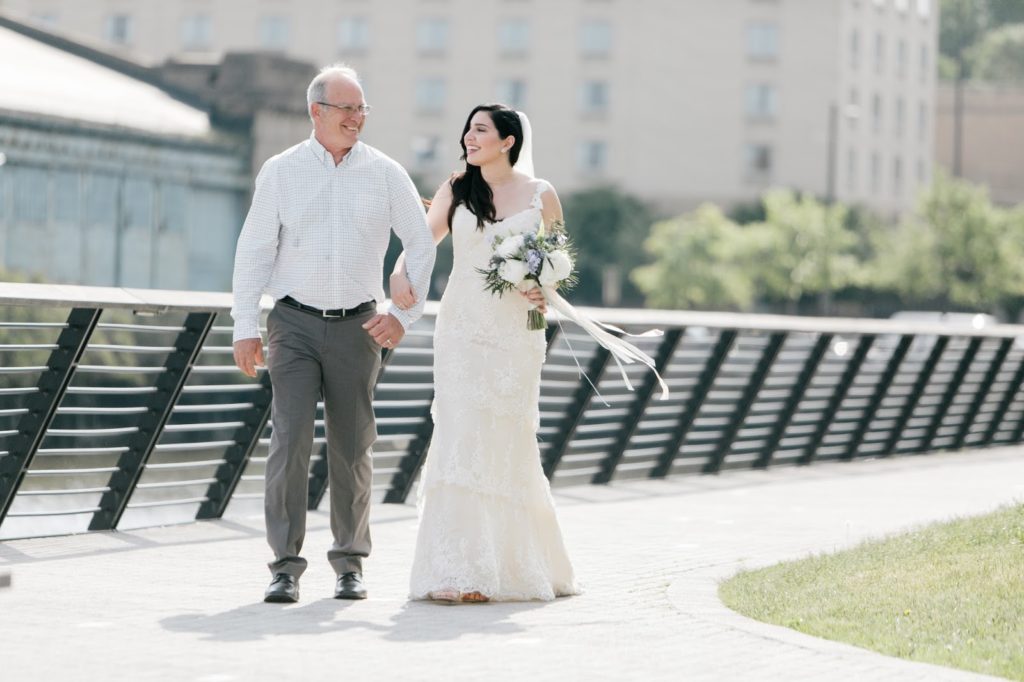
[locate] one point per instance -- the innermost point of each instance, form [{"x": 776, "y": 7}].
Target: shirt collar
[{"x": 326, "y": 158}]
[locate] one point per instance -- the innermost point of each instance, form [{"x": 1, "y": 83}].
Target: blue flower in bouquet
[{"x": 534, "y": 261}]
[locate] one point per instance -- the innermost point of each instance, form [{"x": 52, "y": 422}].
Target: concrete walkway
[{"x": 184, "y": 603}]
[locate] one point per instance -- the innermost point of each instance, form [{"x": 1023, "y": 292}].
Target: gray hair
[{"x": 317, "y": 89}]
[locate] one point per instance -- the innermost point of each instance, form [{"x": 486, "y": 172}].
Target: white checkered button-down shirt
[{"x": 319, "y": 232}]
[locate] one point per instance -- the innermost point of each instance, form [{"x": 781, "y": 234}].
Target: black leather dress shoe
[
  {"x": 350, "y": 586},
  {"x": 283, "y": 589}
]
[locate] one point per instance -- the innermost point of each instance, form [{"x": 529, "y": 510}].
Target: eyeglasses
[{"x": 349, "y": 109}]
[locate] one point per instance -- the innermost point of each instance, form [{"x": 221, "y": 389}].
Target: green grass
[{"x": 950, "y": 594}]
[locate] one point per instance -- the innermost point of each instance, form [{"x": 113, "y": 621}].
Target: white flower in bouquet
[
  {"x": 561, "y": 264},
  {"x": 513, "y": 271},
  {"x": 547, "y": 276},
  {"x": 509, "y": 247}
]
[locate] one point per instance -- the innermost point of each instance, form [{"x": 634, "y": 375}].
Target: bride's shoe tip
[{"x": 445, "y": 596}]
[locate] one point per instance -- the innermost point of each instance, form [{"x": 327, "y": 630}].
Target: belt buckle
[{"x": 323, "y": 313}]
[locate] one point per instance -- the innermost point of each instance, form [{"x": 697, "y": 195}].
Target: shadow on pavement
[{"x": 416, "y": 621}]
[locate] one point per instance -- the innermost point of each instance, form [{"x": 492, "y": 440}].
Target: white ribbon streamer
[{"x": 621, "y": 351}]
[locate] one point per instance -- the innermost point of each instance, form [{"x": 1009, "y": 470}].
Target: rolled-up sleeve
[
  {"x": 409, "y": 222},
  {"x": 255, "y": 254}
]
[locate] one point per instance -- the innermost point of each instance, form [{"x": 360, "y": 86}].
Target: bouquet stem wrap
[{"x": 621, "y": 351}]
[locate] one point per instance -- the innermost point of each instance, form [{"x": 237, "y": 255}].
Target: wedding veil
[{"x": 524, "y": 164}]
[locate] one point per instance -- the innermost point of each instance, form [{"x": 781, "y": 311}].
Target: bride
[{"x": 488, "y": 529}]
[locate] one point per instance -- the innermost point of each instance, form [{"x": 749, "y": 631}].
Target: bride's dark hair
[{"x": 470, "y": 188}]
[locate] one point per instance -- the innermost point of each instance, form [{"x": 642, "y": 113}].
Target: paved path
[{"x": 183, "y": 603}]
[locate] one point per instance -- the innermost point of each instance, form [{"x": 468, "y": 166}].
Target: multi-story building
[{"x": 677, "y": 101}]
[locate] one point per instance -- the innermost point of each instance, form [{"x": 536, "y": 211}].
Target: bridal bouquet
[{"x": 527, "y": 260}]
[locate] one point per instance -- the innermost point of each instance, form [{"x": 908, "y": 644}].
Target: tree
[
  {"x": 608, "y": 228},
  {"x": 803, "y": 247},
  {"x": 1000, "y": 55},
  {"x": 701, "y": 261},
  {"x": 959, "y": 249}
]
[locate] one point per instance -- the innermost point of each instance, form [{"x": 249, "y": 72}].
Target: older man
[{"x": 315, "y": 238}]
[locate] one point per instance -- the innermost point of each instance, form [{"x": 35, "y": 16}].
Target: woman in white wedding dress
[{"x": 488, "y": 529}]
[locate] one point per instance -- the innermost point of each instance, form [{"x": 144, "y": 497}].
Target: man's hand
[
  {"x": 385, "y": 329},
  {"x": 249, "y": 355}
]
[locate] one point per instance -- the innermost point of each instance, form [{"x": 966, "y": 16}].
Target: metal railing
[{"x": 121, "y": 408}]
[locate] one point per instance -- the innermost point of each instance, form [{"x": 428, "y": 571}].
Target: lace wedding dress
[{"x": 487, "y": 520}]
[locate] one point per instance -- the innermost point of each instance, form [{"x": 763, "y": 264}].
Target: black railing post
[
  {"x": 42, "y": 405},
  {"x": 237, "y": 457},
  {"x": 796, "y": 394},
  {"x": 177, "y": 367},
  {"x": 837, "y": 397},
  {"x": 411, "y": 462},
  {"x": 950, "y": 394},
  {"x": 877, "y": 396},
  {"x": 918, "y": 389},
  {"x": 642, "y": 399},
  {"x": 983, "y": 389},
  {"x": 1004, "y": 405},
  {"x": 726, "y": 338},
  {"x": 747, "y": 398},
  {"x": 575, "y": 410}
]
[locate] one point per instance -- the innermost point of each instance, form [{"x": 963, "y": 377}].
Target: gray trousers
[{"x": 310, "y": 357}]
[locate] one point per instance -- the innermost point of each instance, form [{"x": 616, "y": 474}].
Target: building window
[
  {"x": 594, "y": 97},
  {"x": 595, "y": 38},
  {"x": 119, "y": 29},
  {"x": 854, "y": 49},
  {"x": 592, "y": 157},
  {"x": 853, "y": 109},
  {"x": 762, "y": 41},
  {"x": 901, "y": 58},
  {"x": 901, "y": 5},
  {"x": 899, "y": 115},
  {"x": 924, "y": 8},
  {"x": 851, "y": 170},
  {"x": 274, "y": 32},
  {"x": 897, "y": 176},
  {"x": 924, "y": 64},
  {"x": 430, "y": 95},
  {"x": 880, "y": 5},
  {"x": 922, "y": 121},
  {"x": 761, "y": 101},
  {"x": 66, "y": 192},
  {"x": 353, "y": 34},
  {"x": 879, "y": 52},
  {"x": 876, "y": 172},
  {"x": 922, "y": 172},
  {"x": 432, "y": 35},
  {"x": 514, "y": 36},
  {"x": 31, "y": 195},
  {"x": 512, "y": 91},
  {"x": 876, "y": 113},
  {"x": 196, "y": 32},
  {"x": 759, "y": 161},
  {"x": 424, "y": 150}
]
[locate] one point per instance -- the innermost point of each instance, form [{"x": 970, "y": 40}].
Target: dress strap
[{"x": 542, "y": 186}]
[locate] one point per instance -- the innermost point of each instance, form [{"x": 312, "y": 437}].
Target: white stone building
[{"x": 678, "y": 101}]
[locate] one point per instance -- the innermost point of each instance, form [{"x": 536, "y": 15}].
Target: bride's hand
[
  {"x": 402, "y": 293},
  {"x": 536, "y": 297}
]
